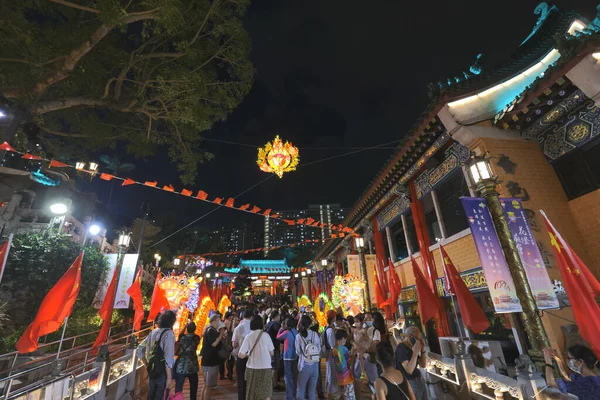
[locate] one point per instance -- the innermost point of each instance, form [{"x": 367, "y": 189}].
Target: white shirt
[
  {"x": 239, "y": 333},
  {"x": 261, "y": 355}
]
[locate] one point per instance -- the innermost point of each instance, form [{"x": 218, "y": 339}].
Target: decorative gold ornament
[
  {"x": 278, "y": 157},
  {"x": 578, "y": 132}
]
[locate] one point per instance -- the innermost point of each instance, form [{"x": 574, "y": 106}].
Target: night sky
[{"x": 333, "y": 75}]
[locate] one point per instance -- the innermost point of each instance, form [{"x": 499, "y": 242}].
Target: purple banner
[
  {"x": 537, "y": 275},
  {"x": 497, "y": 275}
]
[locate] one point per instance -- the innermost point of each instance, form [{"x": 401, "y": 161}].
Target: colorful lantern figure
[
  {"x": 323, "y": 304},
  {"x": 347, "y": 294},
  {"x": 304, "y": 301},
  {"x": 278, "y": 157}
]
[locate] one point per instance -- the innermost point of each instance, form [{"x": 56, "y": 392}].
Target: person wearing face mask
[
  {"x": 410, "y": 354},
  {"x": 584, "y": 381}
]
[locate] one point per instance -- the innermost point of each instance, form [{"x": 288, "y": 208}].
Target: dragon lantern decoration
[{"x": 278, "y": 157}]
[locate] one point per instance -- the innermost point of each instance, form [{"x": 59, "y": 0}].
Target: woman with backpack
[
  {"x": 157, "y": 352},
  {"x": 186, "y": 365},
  {"x": 258, "y": 348},
  {"x": 308, "y": 350}
]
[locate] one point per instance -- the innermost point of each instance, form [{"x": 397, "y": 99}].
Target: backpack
[
  {"x": 311, "y": 351},
  {"x": 156, "y": 358},
  {"x": 325, "y": 347}
]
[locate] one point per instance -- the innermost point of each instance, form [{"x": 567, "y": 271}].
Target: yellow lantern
[{"x": 278, "y": 157}]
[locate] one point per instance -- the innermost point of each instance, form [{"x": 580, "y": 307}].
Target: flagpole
[
  {"x": 3, "y": 266},
  {"x": 62, "y": 337},
  {"x": 452, "y": 295}
]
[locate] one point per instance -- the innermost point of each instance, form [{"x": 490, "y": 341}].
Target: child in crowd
[{"x": 341, "y": 356}]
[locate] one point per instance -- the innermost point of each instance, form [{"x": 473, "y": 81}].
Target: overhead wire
[{"x": 208, "y": 213}]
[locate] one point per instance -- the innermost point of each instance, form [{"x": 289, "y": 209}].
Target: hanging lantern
[{"x": 278, "y": 157}]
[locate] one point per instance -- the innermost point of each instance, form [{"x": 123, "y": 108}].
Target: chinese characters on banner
[
  {"x": 353, "y": 265},
  {"x": 537, "y": 275},
  {"x": 111, "y": 259},
  {"x": 125, "y": 280},
  {"x": 497, "y": 275}
]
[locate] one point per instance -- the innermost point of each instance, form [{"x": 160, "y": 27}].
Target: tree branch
[
  {"x": 204, "y": 22},
  {"x": 70, "y": 102},
  {"x": 77, "y": 6},
  {"x": 73, "y": 135},
  {"x": 69, "y": 63}
]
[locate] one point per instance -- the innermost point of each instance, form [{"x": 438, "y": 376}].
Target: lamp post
[
  {"x": 157, "y": 257},
  {"x": 93, "y": 230},
  {"x": 360, "y": 247},
  {"x": 59, "y": 208},
  {"x": 176, "y": 261},
  {"x": 485, "y": 181}
]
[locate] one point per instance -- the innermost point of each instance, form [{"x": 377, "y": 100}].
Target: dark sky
[{"x": 335, "y": 74}]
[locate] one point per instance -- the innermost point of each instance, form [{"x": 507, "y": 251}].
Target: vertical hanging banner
[
  {"x": 497, "y": 275},
  {"x": 125, "y": 280},
  {"x": 537, "y": 275},
  {"x": 111, "y": 259},
  {"x": 353, "y": 265}
]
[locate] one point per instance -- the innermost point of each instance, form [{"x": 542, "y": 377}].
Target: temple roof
[{"x": 551, "y": 25}]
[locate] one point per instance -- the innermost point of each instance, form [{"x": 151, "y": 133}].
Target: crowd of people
[{"x": 273, "y": 347}]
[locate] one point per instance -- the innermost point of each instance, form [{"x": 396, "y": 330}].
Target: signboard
[
  {"x": 101, "y": 293},
  {"x": 124, "y": 282},
  {"x": 353, "y": 264},
  {"x": 500, "y": 283},
  {"x": 537, "y": 275}
]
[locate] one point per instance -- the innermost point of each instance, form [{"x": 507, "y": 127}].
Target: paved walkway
[{"x": 225, "y": 391}]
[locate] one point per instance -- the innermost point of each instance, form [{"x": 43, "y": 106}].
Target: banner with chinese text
[
  {"x": 111, "y": 259},
  {"x": 537, "y": 275},
  {"x": 497, "y": 275},
  {"x": 353, "y": 265},
  {"x": 125, "y": 280}
]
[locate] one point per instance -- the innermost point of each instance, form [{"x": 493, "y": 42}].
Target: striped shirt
[{"x": 167, "y": 343}]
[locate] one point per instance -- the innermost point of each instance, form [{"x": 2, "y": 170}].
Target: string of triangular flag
[{"x": 201, "y": 195}]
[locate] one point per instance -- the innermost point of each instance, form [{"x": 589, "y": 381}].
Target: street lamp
[
  {"x": 360, "y": 247},
  {"x": 80, "y": 165},
  {"x": 296, "y": 276},
  {"x": 324, "y": 263},
  {"x": 303, "y": 273},
  {"x": 124, "y": 240},
  {"x": 94, "y": 229},
  {"x": 59, "y": 208},
  {"x": 176, "y": 261},
  {"x": 483, "y": 177},
  {"x": 157, "y": 257},
  {"x": 93, "y": 167}
]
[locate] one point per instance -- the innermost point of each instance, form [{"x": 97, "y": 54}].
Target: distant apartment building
[
  {"x": 279, "y": 233},
  {"x": 236, "y": 239}
]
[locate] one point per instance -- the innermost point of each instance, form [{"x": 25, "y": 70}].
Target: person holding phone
[{"x": 410, "y": 355}]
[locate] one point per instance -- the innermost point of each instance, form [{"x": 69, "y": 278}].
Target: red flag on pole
[
  {"x": 159, "y": 300},
  {"x": 428, "y": 301},
  {"x": 379, "y": 296},
  {"x": 301, "y": 288},
  {"x": 135, "y": 292},
  {"x": 56, "y": 306},
  {"x": 105, "y": 312},
  {"x": 581, "y": 287},
  {"x": 472, "y": 314},
  {"x": 395, "y": 287},
  {"x": 4, "y": 250}
]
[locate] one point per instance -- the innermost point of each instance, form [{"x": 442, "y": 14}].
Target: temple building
[{"x": 537, "y": 114}]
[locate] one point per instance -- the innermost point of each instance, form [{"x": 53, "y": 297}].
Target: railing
[
  {"x": 443, "y": 368},
  {"x": 500, "y": 384},
  {"x": 77, "y": 361}
]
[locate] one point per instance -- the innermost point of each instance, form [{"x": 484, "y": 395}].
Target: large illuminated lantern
[
  {"x": 322, "y": 305},
  {"x": 304, "y": 301},
  {"x": 278, "y": 157},
  {"x": 224, "y": 304},
  {"x": 177, "y": 291},
  {"x": 347, "y": 294}
]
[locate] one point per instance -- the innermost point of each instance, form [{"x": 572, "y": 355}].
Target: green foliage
[
  {"x": 35, "y": 263},
  {"x": 152, "y": 74}
]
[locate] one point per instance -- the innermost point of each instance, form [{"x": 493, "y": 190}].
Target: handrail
[
  {"x": 69, "y": 352},
  {"x": 44, "y": 345},
  {"x": 37, "y": 385}
]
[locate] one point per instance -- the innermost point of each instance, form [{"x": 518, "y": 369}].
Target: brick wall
[{"x": 586, "y": 213}]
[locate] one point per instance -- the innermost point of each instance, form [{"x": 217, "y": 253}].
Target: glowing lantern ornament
[{"x": 278, "y": 157}]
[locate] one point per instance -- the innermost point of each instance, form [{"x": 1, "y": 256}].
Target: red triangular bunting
[
  {"x": 255, "y": 209},
  {"x": 6, "y": 147},
  {"x": 218, "y": 200},
  {"x": 106, "y": 177},
  {"x": 186, "y": 192},
  {"x": 244, "y": 207},
  {"x": 57, "y": 164},
  {"x": 267, "y": 212},
  {"x": 169, "y": 188},
  {"x": 128, "y": 181},
  {"x": 151, "y": 183},
  {"x": 202, "y": 195},
  {"x": 28, "y": 156},
  {"x": 229, "y": 202}
]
